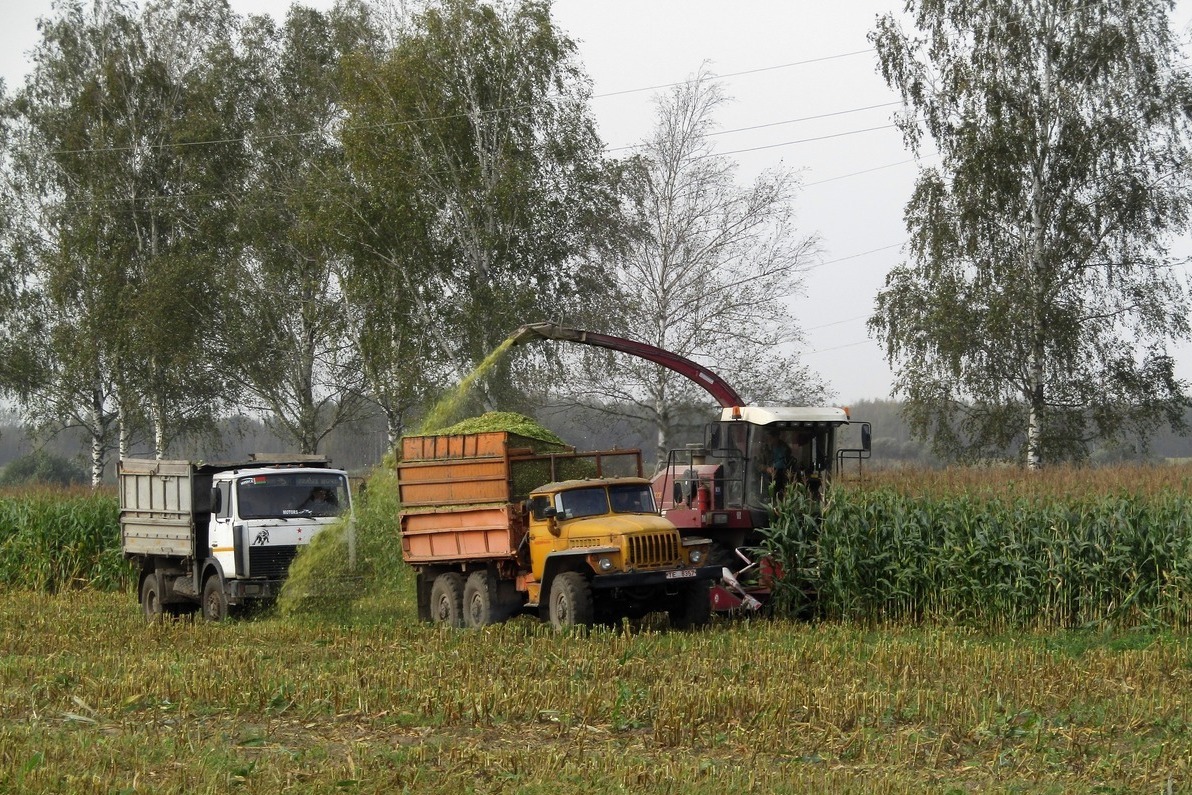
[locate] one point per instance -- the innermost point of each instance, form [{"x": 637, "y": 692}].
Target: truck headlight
[
  {"x": 605, "y": 564},
  {"x": 696, "y": 555}
]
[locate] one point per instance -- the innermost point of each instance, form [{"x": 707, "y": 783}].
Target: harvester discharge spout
[{"x": 713, "y": 384}]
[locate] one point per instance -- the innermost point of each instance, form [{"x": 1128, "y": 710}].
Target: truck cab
[
  {"x": 612, "y": 525},
  {"x": 599, "y": 550},
  {"x": 260, "y": 517}
]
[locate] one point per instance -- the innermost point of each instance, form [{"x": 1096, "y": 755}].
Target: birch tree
[
  {"x": 707, "y": 276},
  {"x": 118, "y": 207},
  {"x": 1035, "y": 308},
  {"x": 290, "y": 346},
  {"x": 486, "y": 194}
]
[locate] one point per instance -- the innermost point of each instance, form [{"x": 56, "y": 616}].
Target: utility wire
[
  {"x": 853, "y": 256},
  {"x": 774, "y": 123},
  {"x": 736, "y": 74},
  {"x": 323, "y": 130},
  {"x": 838, "y": 347}
]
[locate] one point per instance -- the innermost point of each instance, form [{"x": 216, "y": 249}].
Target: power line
[
  {"x": 799, "y": 141},
  {"x": 854, "y": 256},
  {"x": 837, "y": 322},
  {"x": 858, "y": 173},
  {"x": 849, "y": 345},
  {"x": 735, "y": 74},
  {"x": 322, "y": 130},
  {"x": 777, "y": 123}
]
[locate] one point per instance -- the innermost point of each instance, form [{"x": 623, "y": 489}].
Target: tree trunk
[
  {"x": 99, "y": 442},
  {"x": 1035, "y": 407}
]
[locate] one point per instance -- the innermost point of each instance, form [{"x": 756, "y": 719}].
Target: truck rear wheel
[
  {"x": 480, "y": 600},
  {"x": 447, "y": 600},
  {"x": 151, "y": 598},
  {"x": 571, "y": 601},
  {"x": 215, "y": 601}
]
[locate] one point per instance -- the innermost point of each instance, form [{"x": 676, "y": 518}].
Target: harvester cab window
[{"x": 578, "y": 503}]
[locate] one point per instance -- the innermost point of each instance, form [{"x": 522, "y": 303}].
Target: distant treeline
[{"x": 359, "y": 446}]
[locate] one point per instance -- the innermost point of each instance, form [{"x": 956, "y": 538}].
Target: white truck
[{"x": 221, "y": 536}]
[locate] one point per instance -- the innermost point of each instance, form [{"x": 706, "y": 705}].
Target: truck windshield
[
  {"x": 632, "y": 499},
  {"x": 292, "y": 494},
  {"x": 582, "y": 502}
]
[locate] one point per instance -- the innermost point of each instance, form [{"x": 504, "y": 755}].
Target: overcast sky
[{"x": 806, "y": 96}]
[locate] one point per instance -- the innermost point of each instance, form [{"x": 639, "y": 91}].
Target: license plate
[{"x": 680, "y": 574}]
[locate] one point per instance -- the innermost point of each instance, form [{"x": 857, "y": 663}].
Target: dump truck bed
[
  {"x": 157, "y": 507},
  {"x": 461, "y": 494}
]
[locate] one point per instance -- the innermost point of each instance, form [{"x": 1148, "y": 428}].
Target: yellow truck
[{"x": 494, "y": 524}]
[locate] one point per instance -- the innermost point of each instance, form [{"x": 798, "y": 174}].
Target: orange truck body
[{"x": 492, "y": 523}]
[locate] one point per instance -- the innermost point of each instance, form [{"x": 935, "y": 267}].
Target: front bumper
[{"x": 671, "y": 577}]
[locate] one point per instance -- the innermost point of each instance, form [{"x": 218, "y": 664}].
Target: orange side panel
[
  {"x": 470, "y": 534},
  {"x": 469, "y": 445},
  {"x": 459, "y": 535},
  {"x": 461, "y": 482}
]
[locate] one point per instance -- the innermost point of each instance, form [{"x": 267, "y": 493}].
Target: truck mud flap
[{"x": 666, "y": 577}]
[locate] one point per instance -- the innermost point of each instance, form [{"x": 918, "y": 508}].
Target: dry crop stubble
[{"x": 93, "y": 699}]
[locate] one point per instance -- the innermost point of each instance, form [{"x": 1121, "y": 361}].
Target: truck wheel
[
  {"x": 693, "y": 607},
  {"x": 480, "y": 600},
  {"x": 571, "y": 601},
  {"x": 215, "y": 602},
  {"x": 151, "y": 598},
  {"x": 447, "y": 600}
]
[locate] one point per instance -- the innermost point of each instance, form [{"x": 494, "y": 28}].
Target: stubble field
[{"x": 94, "y": 700}]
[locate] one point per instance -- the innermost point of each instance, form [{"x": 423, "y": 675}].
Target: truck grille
[
  {"x": 271, "y": 562},
  {"x": 649, "y": 551}
]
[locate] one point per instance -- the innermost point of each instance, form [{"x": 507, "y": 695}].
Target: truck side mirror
[
  {"x": 678, "y": 495},
  {"x": 216, "y": 500},
  {"x": 866, "y": 437}
]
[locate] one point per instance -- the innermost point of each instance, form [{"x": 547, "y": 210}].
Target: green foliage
[
  {"x": 124, "y": 221},
  {"x": 1037, "y": 303},
  {"x": 40, "y": 467},
  {"x": 989, "y": 560},
  {"x": 483, "y": 215},
  {"x": 53, "y": 539}
]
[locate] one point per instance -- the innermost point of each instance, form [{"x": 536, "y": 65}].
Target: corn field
[
  {"x": 1069, "y": 548},
  {"x": 54, "y": 539},
  {"x": 992, "y": 550}
]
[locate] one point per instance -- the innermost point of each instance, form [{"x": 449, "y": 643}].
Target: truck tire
[
  {"x": 480, "y": 600},
  {"x": 215, "y": 601},
  {"x": 692, "y": 607},
  {"x": 447, "y": 600},
  {"x": 151, "y": 598},
  {"x": 571, "y": 601}
]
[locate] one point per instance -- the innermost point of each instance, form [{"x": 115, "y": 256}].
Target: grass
[{"x": 94, "y": 700}]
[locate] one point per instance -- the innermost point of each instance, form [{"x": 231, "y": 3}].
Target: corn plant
[
  {"x": 53, "y": 539},
  {"x": 1003, "y": 559}
]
